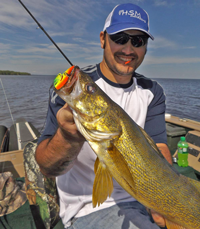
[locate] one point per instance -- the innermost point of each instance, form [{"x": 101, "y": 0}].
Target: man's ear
[{"x": 102, "y": 39}]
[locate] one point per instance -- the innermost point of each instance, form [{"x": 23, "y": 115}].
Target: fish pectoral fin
[
  {"x": 171, "y": 225},
  {"x": 103, "y": 183},
  {"x": 122, "y": 167}
]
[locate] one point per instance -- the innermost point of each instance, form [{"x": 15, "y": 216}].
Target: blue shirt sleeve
[
  {"x": 155, "y": 120},
  {"x": 51, "y": 125},
  {"x": 154, "y": 124}
]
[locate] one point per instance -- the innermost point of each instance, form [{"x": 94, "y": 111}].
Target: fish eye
[{"x": 90, "y": 88}]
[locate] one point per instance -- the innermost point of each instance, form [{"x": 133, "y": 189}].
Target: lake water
[
  {"x": 28, "y": 98},
  {"x": 182, "y": 97}
]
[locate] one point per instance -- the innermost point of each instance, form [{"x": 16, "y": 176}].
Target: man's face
[{"x": 116, "y": 55}]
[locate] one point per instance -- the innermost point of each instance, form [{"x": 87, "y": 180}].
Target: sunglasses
[{"x": 122, "y": 38}]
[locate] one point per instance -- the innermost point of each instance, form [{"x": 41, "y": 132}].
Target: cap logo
[{"x": 131, "y": 13}]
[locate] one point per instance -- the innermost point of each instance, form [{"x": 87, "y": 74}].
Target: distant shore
[{"x": 6, "y": 72}]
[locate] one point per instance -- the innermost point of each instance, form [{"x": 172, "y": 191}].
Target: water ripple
[{"x": 28, "y": 98}]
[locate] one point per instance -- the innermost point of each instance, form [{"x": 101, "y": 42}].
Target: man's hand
[
  {"x": 56, "y": 155},
  {"x": 159, "y": 220},
  {"x": 67, "y": 125}
]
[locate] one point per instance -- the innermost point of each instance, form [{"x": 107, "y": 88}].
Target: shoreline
[{"x": 7, "y": 72}]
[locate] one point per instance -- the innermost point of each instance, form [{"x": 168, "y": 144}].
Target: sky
[{"x": 75, "y": 26}]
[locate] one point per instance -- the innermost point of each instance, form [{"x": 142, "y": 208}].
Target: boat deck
[{"x": 191, "y": 124}]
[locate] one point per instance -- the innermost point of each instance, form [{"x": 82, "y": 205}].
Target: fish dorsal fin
[
  {"x": 195, "y": 183},
  {"x": 103, "y": 183},
  {"x": 151, "y": 142},
  {"x": 171, "y": 225}
]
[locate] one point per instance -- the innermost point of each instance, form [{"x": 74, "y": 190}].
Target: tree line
[{"x": 6, "y": 72}]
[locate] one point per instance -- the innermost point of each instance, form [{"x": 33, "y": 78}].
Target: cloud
[
  {"x": 94, "y": 43},
  {"x": 96, "y": 57},
  {"x": 12, "y": 14},
  {"x": 50, "y": 14},
  {"x": 86, "y": 42},
  {"x": 160, "y": 3},
  {"x": 74, "y": 26},
  {"x": 190, "y": 47},
  {"x": 46, "y": 48},
  {"x": 4, "y": 47},
  {"x": 59, "y": 34},
  {"x": 171, "y": 60},
  {"x": 161, "y": 42},
  {"x": 163, "y": 3}
]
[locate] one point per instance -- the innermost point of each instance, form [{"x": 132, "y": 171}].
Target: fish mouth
[{"x": 73, "y": 77}]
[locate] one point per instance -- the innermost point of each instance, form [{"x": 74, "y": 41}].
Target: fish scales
[
  {"x": 157, "y": 183},
  {"x": 126, "y": 153}
]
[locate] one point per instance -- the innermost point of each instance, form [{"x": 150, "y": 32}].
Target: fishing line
[
  {"x": 52, "y": 42},
  {"x": 3, "y": 164},
  {"x": 7, "y": 101},
  {"x": 46, "y": 33},
  {"x": 14, "y": 124}
]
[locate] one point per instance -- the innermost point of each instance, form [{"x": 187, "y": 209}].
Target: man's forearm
[
  {"x": 165, "y": 152},
  {"x": 56, "y": 155}
]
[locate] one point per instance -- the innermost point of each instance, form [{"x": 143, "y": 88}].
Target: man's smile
[{"x": 124, "y": 59}]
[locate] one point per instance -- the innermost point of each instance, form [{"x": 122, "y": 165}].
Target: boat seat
[{"x": 41, "y": 192}]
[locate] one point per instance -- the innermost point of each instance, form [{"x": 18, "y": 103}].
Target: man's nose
[{"x": 128, "y": 48}]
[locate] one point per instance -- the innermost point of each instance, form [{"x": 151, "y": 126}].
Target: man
[{"x": 62, "y": 150}]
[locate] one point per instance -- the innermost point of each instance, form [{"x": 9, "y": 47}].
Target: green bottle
[{"x": 182, "y": 152}]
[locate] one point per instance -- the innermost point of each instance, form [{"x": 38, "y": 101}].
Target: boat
[
  {"x": 18, "y": 144},
  {"x": 38, "y": 208},
  {"x": 12, "y": 143},
  {"x": 177, "y": 127}
]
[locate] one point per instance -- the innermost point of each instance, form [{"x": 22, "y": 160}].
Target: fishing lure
[{"x": 61, "y": 79}]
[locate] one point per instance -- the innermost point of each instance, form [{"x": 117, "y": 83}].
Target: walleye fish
[{"x": 126, "y": 153}]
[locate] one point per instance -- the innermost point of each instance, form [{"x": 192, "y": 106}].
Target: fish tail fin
[
  {"x": 103, "y": 183},
  {"x": 171, "y": 225}
]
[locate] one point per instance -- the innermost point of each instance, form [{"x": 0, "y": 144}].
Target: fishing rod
[{"x": 45, "y": 33}]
